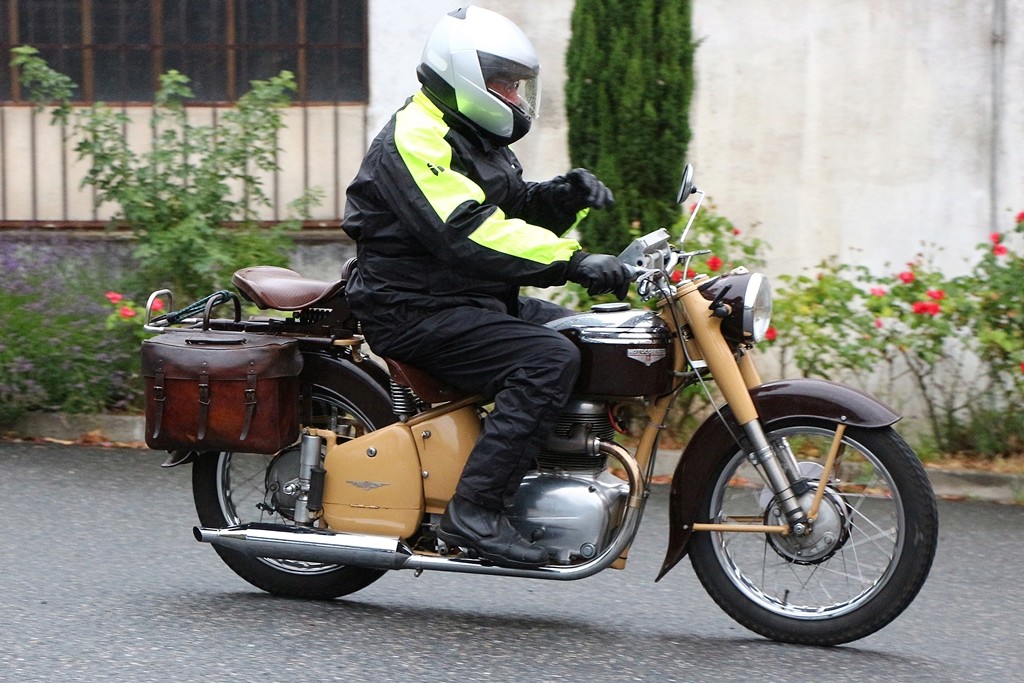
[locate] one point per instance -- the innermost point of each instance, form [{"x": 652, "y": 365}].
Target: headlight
[
  {"x": 757, "y": 307},
  {"x": 749, "y": 297}
]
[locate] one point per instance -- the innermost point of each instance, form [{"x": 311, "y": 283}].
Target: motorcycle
[{"x": 805, "y": 516}]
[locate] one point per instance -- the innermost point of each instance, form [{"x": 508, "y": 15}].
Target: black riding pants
[{"x": 527, "y": 368}]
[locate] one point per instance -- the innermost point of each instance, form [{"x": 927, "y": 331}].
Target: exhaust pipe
[
  {"x": 381, "y": 552},
  {"x": 310, "y": 545}
]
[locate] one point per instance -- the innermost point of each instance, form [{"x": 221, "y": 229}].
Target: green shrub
[
  {"x": 192, "y": 199},
  {"x": 56, "y": 351},
  {"x": 957, "y": 341},
  {"x": 627, "y": 98}
]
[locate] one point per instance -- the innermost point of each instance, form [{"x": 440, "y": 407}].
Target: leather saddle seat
[
  {"x": 428, "y": 389},
  {"x": 281, "y": 289}
]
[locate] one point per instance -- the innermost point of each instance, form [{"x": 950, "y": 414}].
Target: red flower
[
  {"x": 158, "y": 305},
  {"x": 936, "y": 294},
  {"x": 676, "y": 276},
  {"x": 736, "y": 231},
  {"x": 906, "y": 277},
  {"x": 995, "y": 237},
  {"x": 127, "y": 312},
  {"x": 771, "y": 335},
  {"x": 878, "y": 323},
  {"x": 690, "y": 273},
  {"x": 878, "y": 291},
  {"x": 715, "y": 263},
  {"x": 999, "y": 250},
  {"x": 927, "y": 308},
  {"x": 1022, "y": 366},
  {"x": 114, "y": 297},
  {"x": 1020, "y": 217}
]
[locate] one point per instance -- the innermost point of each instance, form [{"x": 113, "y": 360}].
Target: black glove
[
  {"x": 581, "y": 189},
  {"x": 600, "y": 274}
]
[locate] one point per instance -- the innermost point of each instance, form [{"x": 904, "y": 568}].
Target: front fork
[
  {"x": 735, "y": 377},
  {"x": 782, "y": 475}
]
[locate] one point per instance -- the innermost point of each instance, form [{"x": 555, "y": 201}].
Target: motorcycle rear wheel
[
  {"x": 875, "y": 538},
  {"x": 232, "y": 488}
]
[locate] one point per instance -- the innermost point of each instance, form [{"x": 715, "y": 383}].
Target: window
[{"x": 116, "y": 49}]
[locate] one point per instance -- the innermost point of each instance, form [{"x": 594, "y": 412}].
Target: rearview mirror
[{"x": 686, "y": 187}]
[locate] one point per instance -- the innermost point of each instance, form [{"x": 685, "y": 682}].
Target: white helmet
[{"x": 481, "y": 67}]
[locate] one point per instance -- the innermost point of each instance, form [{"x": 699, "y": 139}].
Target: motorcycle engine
[{"x": 571, "y": 505}]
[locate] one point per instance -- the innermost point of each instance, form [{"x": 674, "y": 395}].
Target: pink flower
[
  {"x": 878, "y": 291},
  {"x": 127, "y": 312},
  {"x": 878, "y": 323},
  {"x": 936, "y": 294},
  {"x": 999, "y": 250},
  {"x": 736, "y": 231},
  {"x": 995, "y": 237},
  {"x": 715, "y": 263},
  {"x": 1022, "y": 366},
  {"x": 770, "y": 334},
  {"x": 1020, "y": 217},
  {"x": 926, "y": 308},
  {"x": 906, "y": 277},
  {"x": 114, "y": 297},
  {"x": 158, "y": 305}
]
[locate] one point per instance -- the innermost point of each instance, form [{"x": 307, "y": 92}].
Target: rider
[{"x": 446, "y": 231}]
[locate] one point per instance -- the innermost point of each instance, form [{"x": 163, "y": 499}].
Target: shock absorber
[
  {"x": 309, "y": 461},
  {"x": 404, "y": 402}
]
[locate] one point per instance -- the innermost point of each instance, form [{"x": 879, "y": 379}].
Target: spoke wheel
[
  {"x": 864, "y": 560},
  {"x": 241, "y": 488}
]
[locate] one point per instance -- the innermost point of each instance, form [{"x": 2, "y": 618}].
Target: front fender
[{"x": 713, "y": 440}]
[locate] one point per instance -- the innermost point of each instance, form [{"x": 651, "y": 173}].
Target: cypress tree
[{"x": 628, "y": 91}]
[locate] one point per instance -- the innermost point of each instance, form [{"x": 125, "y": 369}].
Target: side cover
[{"x": 712, "y": 441}]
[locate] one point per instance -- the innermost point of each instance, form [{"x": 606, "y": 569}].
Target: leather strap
[
  {"x": 204, "y": 401},
  {"x": 160, "y": 397},
  {"x": 250, "y": 401}
]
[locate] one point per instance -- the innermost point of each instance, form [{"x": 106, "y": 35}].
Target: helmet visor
[
  {"x": 516, "y": 84},
  {"x": 523, "y": 94}
]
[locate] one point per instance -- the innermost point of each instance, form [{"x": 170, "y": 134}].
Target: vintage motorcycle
[{"x": 806, "y": 517}]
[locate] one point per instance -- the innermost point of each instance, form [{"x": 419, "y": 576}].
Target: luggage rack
[{"x": 326, "y": 322}]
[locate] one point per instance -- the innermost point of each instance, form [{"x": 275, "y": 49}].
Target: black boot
[{"x": 468, "y": 525}]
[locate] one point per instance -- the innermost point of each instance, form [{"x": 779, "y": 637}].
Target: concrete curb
[
  {"x": 121, "y": 429},
  {"x": 91, "y": 428}
]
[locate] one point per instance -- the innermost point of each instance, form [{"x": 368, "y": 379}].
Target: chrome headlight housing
[
  {"x": 757, "y": 307},
  {"x": 748, "y": 297}
]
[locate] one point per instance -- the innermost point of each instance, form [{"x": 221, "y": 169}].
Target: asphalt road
[{"x": 100, "y": 579}]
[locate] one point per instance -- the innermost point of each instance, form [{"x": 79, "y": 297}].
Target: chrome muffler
[{"x": 309, "y": 545}]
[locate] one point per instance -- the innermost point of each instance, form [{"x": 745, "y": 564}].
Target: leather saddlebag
[{"x": 221, "y": 391}]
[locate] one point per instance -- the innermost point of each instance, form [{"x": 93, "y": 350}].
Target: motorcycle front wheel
[
  {"x": 239, "y": 488},
  {"x": 866, "y": 558}
]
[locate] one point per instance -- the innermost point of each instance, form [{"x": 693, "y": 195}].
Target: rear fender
[
  {"x": 811, "y": 398},
  {"x": 364, "y": 384}
]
